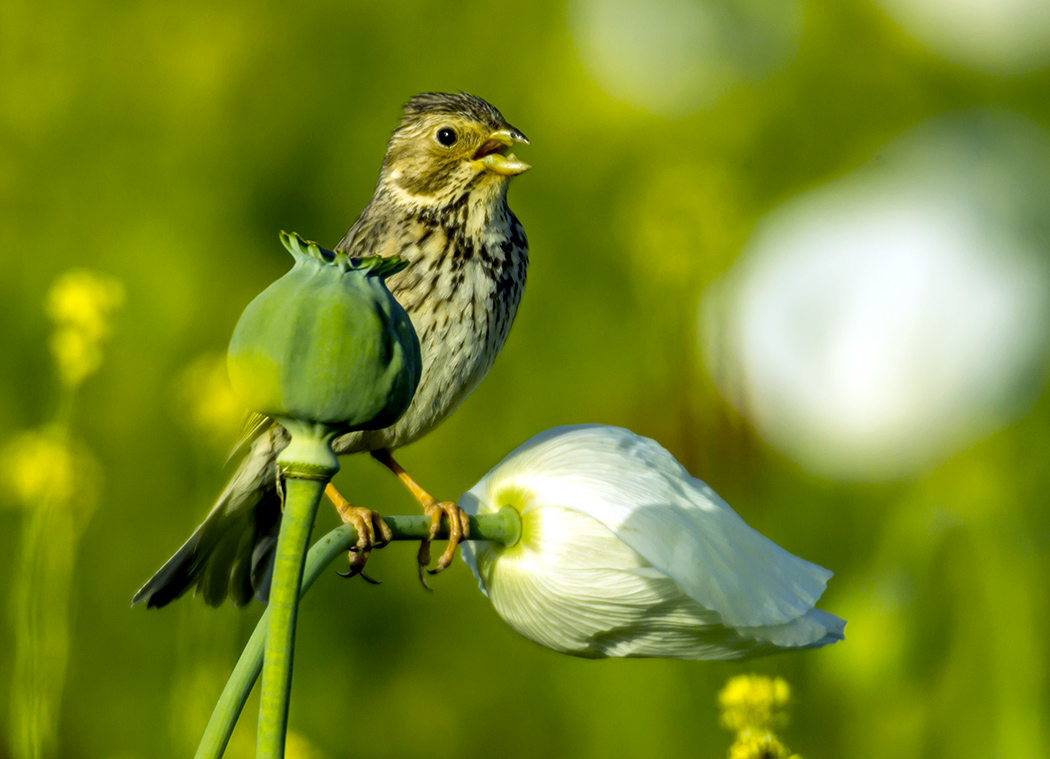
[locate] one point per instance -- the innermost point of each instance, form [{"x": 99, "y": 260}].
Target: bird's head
[{"x": 448, "y": 145}]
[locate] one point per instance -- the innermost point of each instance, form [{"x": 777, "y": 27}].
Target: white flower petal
[
  {"x": 623, "y": 553},
  {"x": 638, "y": 490},
  {"x": 814, "y": 629}
]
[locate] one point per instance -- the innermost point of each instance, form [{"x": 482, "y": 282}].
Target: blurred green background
[{"x": 166, "y": 144}]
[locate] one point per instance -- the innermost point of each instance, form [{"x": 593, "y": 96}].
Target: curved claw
[
  {"x": 356, "y": 572},
  {"x": 458, "y": 530},
  {"x": 369, "y": 525},
  {"x": 423, "y": 561}
]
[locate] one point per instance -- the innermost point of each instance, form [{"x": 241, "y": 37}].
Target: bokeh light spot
[{"x": 877, "y": 324}]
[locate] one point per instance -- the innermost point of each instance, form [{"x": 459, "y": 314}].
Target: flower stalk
[
  {"x": 55, "y": 481},
  {"x": 301, "y": 499},
  {"x": 502, "y": 527},
  {"x": 306, "y": 466}
]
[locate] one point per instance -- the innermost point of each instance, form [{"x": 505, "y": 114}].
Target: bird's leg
[
  {"x": 368, "y": 524},
  {"x": 458, "y": 523}
]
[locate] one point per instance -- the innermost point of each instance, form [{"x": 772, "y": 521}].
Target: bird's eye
[{"x": 446, "y": 137}]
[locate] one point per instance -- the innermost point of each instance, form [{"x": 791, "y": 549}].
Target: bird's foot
[
  {"x": 458, "y": 530},
  {"x": 458, "y": 522},
  {"x": 368, "y": 524}
]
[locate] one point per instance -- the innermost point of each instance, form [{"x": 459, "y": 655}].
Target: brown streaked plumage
[{"x": 440, "y": 203}]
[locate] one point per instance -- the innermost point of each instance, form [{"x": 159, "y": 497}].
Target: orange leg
[
  {"x": 368, "y": 524},
  {"x": 458, "y": 523}
]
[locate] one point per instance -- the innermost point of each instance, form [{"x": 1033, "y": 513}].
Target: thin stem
[
  {"x": 502, "y": 527},
  {"x": 301, "y": 497},
  {"x": 40, "y": 609}
]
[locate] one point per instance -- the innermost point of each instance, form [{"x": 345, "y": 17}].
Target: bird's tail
[{"x": 232, "y": 552}]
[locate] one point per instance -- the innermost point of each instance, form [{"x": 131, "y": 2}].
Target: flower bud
[
  {"x": 327, "y": 343},
  {"x": 623, "y": 553}
]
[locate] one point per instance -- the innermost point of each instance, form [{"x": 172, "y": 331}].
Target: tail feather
[
  {"x": 176, "y": 576},
  {"x": 231, "y": 553},
  {"x": 262, "y": 561},
  {"x": 215, "y": 573},
  {"x": 241, "y": 589}
]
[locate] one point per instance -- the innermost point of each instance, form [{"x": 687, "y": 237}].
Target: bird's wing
[{"x": 254, "y": 425}]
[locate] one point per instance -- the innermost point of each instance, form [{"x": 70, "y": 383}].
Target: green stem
[
  {"x": 502, "y": 527},
  {"x": 306, "y": 465},
  {"x": 301, "y": 497},
  {"x": 40, "y": 613}
]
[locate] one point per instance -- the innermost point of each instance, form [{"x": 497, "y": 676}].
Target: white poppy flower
[{"x": 623, "y": 553}]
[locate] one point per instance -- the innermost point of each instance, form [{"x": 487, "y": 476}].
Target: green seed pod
[{"x": 327, "y": 342}]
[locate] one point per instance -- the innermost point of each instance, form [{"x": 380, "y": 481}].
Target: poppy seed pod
[
  {"x": 327, "y": 343},
  {"x": 623, "y": 553}
]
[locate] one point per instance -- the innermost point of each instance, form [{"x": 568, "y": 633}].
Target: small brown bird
[{"x": 440, "y": 203}]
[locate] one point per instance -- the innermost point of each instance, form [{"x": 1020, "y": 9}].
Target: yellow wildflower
[
  {"x": 39, "y": 466},
  {"x": 81, "y": 303},
  {"x": 765, "y": 746},
  {"x": 753, "y": 702},
  {"x": 84, "y": 300},
  {"x": 76, "y": 355}
]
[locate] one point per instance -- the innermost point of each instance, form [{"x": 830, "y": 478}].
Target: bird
[{"x": 440, "y": 203}]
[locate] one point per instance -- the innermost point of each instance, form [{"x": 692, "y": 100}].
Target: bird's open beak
[{"x": 494, "y": 152}]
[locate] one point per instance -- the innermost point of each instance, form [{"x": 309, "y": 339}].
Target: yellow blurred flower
[
  {"x": 76, "y": 355},
  {"x": 752, "y": 705},
  {"x": 84, "y": 300},
  {"x": 81, "y": 303},
  {"x": 39, "y": 466},
  {"x": 753, "y": 702},
  {"x": 764, "y": 746}
]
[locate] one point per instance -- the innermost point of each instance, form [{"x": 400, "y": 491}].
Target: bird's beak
[{"x": 493, "y": 153}]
